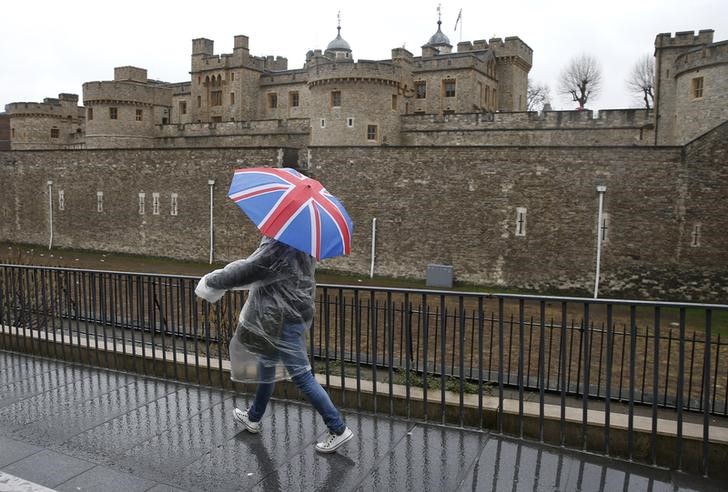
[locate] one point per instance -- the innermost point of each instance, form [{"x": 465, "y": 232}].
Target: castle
[
  {"x": 474, "y": 95},
  {"x": 434, "y": 156}
]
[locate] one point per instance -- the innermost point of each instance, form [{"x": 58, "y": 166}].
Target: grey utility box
[{"x": 439, "y": 276}]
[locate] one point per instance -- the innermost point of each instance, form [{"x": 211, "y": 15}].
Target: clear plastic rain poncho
[{"x": 272, "y": 326}]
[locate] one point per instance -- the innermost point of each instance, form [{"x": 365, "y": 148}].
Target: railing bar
[
  {"x": 601, "y": 355},
  {"x": 357, "y": 329},
  {"x": 389, "y": 331},
  {"x": 374, "y": 323},
  {"x": 425, "y": 354},
  {"x": 680, "y": 388},
  {"x": 528, "y": 359},
  {"x": 342, "y": 341},
  {"x": 461, "y": 313},
  {"x": 608, "y": 382},
  {"x": 481, "y": 327},
  {"x": 521, "y": 339},
  {"x": 500, "y": 365},
  {"x": 655, "y": 382},
  {"x": 443, "y": 341},
  {"x": 587, "y": 366},
  {"x": 562, "y": 368},
  {"x": 541, "y": 369},
  {"x": 715, "y": 376},
  {"x": 644, "y": 363},
  {"x": 667, "y": 370},
  {"x": 706, "y": 392},
  {"x": 408, "y": 355},
  {"x": 690, "y": 379},
  {"x": 632, "y": 355}
]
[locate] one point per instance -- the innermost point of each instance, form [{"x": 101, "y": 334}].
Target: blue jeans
[{"x": 294, "y": 360}]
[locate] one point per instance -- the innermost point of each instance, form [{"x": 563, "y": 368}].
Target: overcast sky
[{"x": 50, "y": 47}]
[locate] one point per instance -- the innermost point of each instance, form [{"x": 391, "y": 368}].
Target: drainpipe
[
  {"x": 50, "y": 213},
  {"x": 374, "y": 246},
  {"x": 601, "y": 189},
  {"x": 211, "y": 183}
]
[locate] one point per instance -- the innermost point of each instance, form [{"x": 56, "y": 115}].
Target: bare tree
[
  {"x": 581, "y": 79},
  {"x": 642, "y": 80},
  {"x": 537, "y": 95}
]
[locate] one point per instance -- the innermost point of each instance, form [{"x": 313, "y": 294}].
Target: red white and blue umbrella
[{"x": 294, "y": 209}]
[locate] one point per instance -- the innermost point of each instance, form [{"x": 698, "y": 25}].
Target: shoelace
[{"x": 331, "y": 438}]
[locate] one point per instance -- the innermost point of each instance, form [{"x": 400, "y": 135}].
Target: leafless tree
[
  {"x": 581, "y": 79},
  {"x": 642, "y": 80},
  {"x": 537, "y": 95}
]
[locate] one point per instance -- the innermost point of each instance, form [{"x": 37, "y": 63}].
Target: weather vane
[
  {"x": 338, "y": 19},
  {"x": 439, "y": 11}
]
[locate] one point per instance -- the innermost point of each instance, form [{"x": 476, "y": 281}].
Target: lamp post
[
  {"x": 601, "y": 189},
  {"x": 50, "y": 213},
  {"x": 211, "y": 183}
]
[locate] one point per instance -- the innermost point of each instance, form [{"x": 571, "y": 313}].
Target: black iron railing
[{"x": 658, "y": 356}]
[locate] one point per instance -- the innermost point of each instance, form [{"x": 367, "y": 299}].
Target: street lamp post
[{"x": 601, "y": 189}]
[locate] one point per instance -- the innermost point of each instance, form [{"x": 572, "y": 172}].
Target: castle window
[
  {"x": 99, "y": 201},
  {"x": 199, "y": 101},
  {"x": 232, "y": 76},
  {"x": 697, "y": 87},
  {"x": 155, "y": 203},
  {"x": 55, "y": 133},
  {"x": 90, "y": 113},
  {"x": 232, "y": 98},
  {"x": 394, "y": 102},
  {"x": 173, "y": 206},
  {"x": 113, "y": 113},
  {"x": 293, "y": 99},
  {"x": 12, "y": 133},
  {"x": 421, "y": 89},
  {"x": 139, "y": 114},
  {"x": 323, "y": 123},
  {"x": 216, "y": 98},
  {"x": 350, "y": 122},
  {"x": 272, "y": 101},
  {"x": 216, "y": 119},
  {"x": 695, "y": 236},
  {"x": 335, "y": 99},
  {"x": 141, "y": 203},
  {"x": 372, "y": 132},
  {"x": 520, "y": 221},
  {"x": 448, "y": 87},
  {"x": 61, "y": 200},
  {"x": 183, "y": 107}
]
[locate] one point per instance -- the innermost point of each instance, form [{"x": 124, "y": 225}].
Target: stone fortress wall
[{"x": 456, "y": 205}]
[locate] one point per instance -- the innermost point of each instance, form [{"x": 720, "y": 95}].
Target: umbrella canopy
[{"x": 294, "y": 209}]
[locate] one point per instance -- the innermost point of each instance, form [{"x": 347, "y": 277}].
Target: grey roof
[
  {"x": 439, "y": 38},
  {"x": 338, "y": 44}
]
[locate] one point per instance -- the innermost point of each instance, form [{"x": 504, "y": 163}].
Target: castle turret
[
  {"x": 339, "y": 49},
  {"x": 667, "y": 49},
  {"x": 438, "y": 42},
  {"x": 56, "y": 123}
]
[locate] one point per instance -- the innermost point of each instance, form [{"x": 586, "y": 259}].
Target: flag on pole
[{"x": 460, "y": 15}]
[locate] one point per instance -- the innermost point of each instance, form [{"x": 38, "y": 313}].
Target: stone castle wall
[{"x": 449, "y": 205}]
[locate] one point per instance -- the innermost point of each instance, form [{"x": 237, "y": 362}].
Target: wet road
[{"x": 71, "y": 428}]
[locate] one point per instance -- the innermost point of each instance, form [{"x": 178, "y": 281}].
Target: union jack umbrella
[{"x": 294, "y": 209}]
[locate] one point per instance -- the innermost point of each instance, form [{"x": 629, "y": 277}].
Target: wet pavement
[{"x": 69, "y": 427}]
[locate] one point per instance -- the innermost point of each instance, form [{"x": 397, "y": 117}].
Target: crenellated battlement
[
  {"x": 512, "y": 46},
  {"x": 64, "y": 106},
  {"x": 361, "y": 70},
  {"x": 701, "y": 57},
  {"x": 684, "y": 38},
  {"x": 282, "y": 78}
]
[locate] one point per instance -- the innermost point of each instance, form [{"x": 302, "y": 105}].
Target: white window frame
[
  {"x": 350, "y": 122},
  {"x": 173, "y": 204},
  {"x": 323, "y": 123},
  {"x": 61, "y": 200},
  {"x": 521, "y": 214},
  {"x": 605, "y": 225},
  {"x": 142, "y": 208},
  {"x": 155, "y": 203},
  {"x": 99, "y": 201}
]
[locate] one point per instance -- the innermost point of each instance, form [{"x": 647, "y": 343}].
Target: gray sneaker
[
  {"x": 334, "y": 441},
  {"x": 241, "y": 416}
]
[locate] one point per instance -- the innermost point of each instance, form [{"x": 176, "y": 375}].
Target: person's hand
[{"x": 208, "y": 293}]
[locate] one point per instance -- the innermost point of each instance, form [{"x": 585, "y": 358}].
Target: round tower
[
  {"x": 354, "y": 103},
  {"x": 56, "y": 123}
]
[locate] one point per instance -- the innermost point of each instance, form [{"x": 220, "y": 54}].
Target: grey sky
[{"x": 47, "y": 48}]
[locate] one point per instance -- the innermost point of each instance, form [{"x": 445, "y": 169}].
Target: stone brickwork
[
  {"x": 448, "y": 205},
  {"x": 4, "y": 131},
  {"x": 56, "y": 123}
]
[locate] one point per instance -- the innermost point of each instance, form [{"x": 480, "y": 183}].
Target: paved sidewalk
[{"x": 70, "y": 428}]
